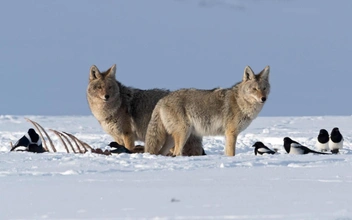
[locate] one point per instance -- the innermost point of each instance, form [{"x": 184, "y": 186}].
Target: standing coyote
[
  {"x": 198, "y": 112},
  {"x": 124, "y": 112}
]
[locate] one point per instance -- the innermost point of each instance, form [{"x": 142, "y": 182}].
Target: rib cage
[{"x": 71, "y": 143}]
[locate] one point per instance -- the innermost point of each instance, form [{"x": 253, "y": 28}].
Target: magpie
[
  {"x": 260, "y": 148},
  {"x": 119, "y": 148},
  {"x": 336, "y": 141},
  {"x": 30, "y": 141},
  {"x": 323, "y": 140},
  {"x": 293, "y": 147}
]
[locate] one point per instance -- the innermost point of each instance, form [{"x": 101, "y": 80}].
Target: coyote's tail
[{"x": 156, "y": 134}]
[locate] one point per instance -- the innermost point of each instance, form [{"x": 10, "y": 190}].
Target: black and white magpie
[
  {"x": 336, "y": 141},
  {"x": 29, "y": 142},
  {"x": 323, "y": 140},
  {"x": 118, "y": 148},
  {"x": 293, "y": 147},
  {"x": 260, "y": 148}
]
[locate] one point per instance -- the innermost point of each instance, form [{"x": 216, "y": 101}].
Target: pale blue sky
[{"x": 47, "y": 48}]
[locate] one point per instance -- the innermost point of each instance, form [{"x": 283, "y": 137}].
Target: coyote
[
  {"x": 198, "y": 112},
  {"x": 124, "y": 112}
]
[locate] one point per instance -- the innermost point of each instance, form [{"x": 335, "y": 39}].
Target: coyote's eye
[
  {"x": 264, "y": 88},
  {"x": 255, "y": 89}
]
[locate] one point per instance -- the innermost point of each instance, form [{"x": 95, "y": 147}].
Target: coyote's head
[
  {"x": 103, "y": 86},
  {"x": 255, "y": 87}
]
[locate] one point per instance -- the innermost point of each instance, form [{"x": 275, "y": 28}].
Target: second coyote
[{"x": 198, "y": 112}]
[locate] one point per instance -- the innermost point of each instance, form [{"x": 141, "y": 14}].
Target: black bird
[
  {"x": 31, "y": 141},
  {"x": 260, "y": 148},
  {"x": 336, "y": 141},
  {"x": 323, "y": 140},
  {"x": 293, "y": 147},
  {"x": 119, "y": 148}
]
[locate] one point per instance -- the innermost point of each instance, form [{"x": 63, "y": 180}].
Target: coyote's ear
[
  {"x": 248, "y": 74},
  {"x": 112, "y": 71},
  {"x": 264, "y": 74},
  {"x": 94, "y": 73}
]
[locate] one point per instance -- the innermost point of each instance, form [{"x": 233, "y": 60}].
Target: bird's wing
[
  {"x": 265, "y": 150},
  {"x": 297, "y": 148}
]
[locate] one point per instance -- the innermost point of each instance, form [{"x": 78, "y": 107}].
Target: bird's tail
[{"x": 317, "y": 152}]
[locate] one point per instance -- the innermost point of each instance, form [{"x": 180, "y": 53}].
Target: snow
[{"x": 142, "y": 186}]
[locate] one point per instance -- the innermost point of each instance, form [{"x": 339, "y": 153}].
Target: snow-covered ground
[{"x": 143, "y": 186}]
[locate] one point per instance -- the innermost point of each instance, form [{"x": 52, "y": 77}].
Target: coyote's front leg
[
  {"x": 231, "y": 138},
  {"x": 128, "y": 140}
]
